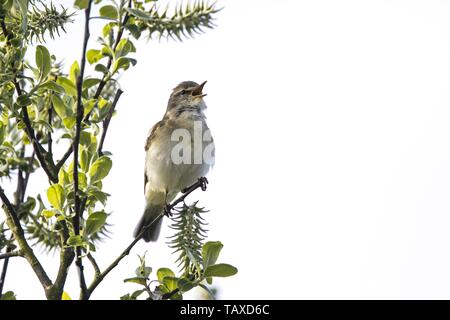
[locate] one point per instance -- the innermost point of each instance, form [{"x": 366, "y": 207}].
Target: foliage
[
  {"x": 196, "y": 258},
  {"x": 44, "y": 103}
]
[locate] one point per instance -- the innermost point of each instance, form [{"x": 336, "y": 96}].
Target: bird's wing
[{"x": 151, "y": 136}]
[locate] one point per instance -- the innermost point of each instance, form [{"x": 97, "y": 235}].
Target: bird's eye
[{"x": 183, "y": 92}]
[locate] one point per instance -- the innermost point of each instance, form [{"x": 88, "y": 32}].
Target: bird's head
[{"x": 187, "y": 94}]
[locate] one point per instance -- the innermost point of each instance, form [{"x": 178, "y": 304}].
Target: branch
[
  {"x": 17, "y": 253},
  {"x": 64, "y": 158},
  {"x": 14, "y": 224},
  {"x": 19, "y": 196},
  {"x": 101, "y": 275},
  {"x": 107, "y": 121},
  {"x": 76, "y": 143},
  {"x": 94, "y": 264}
]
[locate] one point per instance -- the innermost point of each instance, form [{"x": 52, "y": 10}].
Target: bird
[{"x": 179, "y": 151}]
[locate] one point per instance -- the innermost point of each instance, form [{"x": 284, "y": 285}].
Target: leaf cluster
[{"x": 198, "y": 261}]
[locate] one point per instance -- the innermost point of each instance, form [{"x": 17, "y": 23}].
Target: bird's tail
[{"x": 151, "y": 213}]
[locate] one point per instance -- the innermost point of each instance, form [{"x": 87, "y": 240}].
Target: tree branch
[
  {"x": 66, "y": 257},
  {"x": 14, "y": 224},
  {"x": 17, "y": 253},
  {"x": 64, "y": 158},
  {"x": 101, "y": 275},
  {"x": 76, "y": 143},
  {"x": 103, "y": 82},
  {"x": 94, "y": 264},
  {"x": 107, "y": 121}
]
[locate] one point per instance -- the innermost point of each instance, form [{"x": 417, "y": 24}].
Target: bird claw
[
  {"x": 203, "y": 183},
  {"x": 168, "y": 211}
]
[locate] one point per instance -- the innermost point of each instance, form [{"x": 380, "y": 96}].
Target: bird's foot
[
  {"x": 203, "y": 183},
  {"x": 168, "y": 210}
]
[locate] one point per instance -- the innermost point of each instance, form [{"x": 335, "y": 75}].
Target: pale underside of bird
[{"x": 179, "y": 151}]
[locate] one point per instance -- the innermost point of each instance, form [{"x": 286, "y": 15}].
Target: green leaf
[
  {"x": 43, "y": 62},
  {"x": 123, "y": 63},
  {"x": 59, "y": 106},
  {"x": 68, "y": 86},
  {"x": 101, "y": 68},
  {"x": 75, "y": 241},
  {"x": 48, "y": 213},
  {"x": 171, "y": 283},
  {"x": 84, "y": 160},
  {"x": 99, "y": 195},
  {"x": 138, "y": 280},
  {"x": 210, "y": 252},
  {"x": 65, "y": 296},
  {"x": 139, "y": 14},
  {"x": 74, "y": 72},
  {"x": 63, "y": 177},
  {"x": 23, "y": 4},
  {"x": 90, "y": 82},
  {"x": 81, "y": 4},
  {"x": 23, "y": 100},
  {"x": 69, "y": 122},
  {"x": 220, "y": 270},
  {"x": 143, "y": 271},
  {"x": 9, "y": 295},
  {"x": 164, "y": 272},
  {"x": 93, "y": 56},
  {"x": 109, "y": 12},
  {"x": 56, "y": 196},
  {"x": 185, "y": 285},
  {"x": 100, "y": 168},
  {"x": 52, "y": 85},
  {"x": 95, "y": 222},
  {"x": 124, "y": 47},
  {"x": 85, "y": 138}
]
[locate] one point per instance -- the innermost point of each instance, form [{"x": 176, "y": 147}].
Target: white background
[{"x": 331, "y": 123}]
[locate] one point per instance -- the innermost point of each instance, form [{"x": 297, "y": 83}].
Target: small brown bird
[{"x": 179, "y": 150}]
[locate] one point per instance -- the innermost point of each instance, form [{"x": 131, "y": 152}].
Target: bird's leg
[
  {"x": 167, "y": 208},
  {"x": 201, "y": 182}
]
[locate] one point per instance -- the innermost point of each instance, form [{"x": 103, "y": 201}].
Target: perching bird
[{"x": 179, "y": 151}]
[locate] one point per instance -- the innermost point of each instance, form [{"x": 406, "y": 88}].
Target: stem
[
  {"x": 14, "y": 224},
  {"x": 107, "y": 121},
  {"x": 76, "y": 143},
  {"x": 50, "y": 141},
  {"x": 102, "y": 83},
  {"x": 7, "y": 255}
]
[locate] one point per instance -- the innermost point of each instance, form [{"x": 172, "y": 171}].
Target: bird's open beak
[{"x": 198, "y": 91}]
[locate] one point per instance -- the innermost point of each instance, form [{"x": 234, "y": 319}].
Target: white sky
[{"x": 331, "y": 123}]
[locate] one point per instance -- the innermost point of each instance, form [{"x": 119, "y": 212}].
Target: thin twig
[
  {"x": 103, "y": 82},
  {"x": 50, "y": 141},
  {"x": 94, "y": 264},
  {"x": 107, "y": 121},
  {"x": 79, "y": 118},
  {"x": 17, "y": 253}
]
